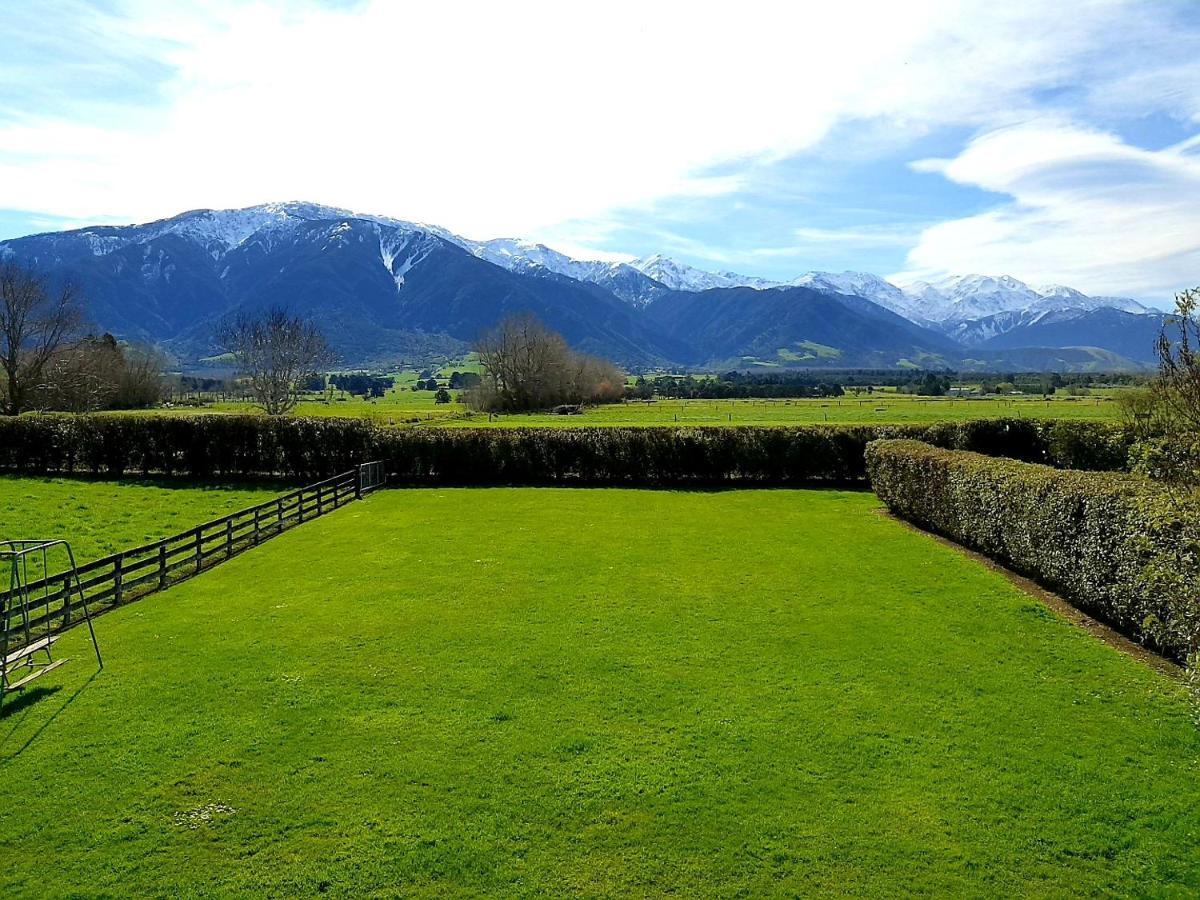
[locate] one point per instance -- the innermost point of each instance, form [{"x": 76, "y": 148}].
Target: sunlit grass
[
  {"x": 404, "y": 407},
  {"x": 604, "y": 693},
  {"x": 102, "y": 517}
]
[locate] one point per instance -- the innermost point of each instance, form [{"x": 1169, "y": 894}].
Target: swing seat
[
  {"x": 36, "y": 673},
  {"x": 42, "y": 643}
]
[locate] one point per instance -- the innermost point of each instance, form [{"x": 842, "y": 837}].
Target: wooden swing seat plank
[
  {"x": 36, "y": 673},
  {"x": 30, "y": 649}
]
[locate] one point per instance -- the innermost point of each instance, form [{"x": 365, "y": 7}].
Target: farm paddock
[
  {"x": 102, "y": 517},
  {"x": 599, "y": 692}
]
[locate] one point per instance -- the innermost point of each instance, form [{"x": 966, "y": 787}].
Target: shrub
[
  {"x": 1087, "y": 445},
  {"x": 310, "y": 448},
  {"x": 196, "y": 446},
  {"x": 1114, "y": 544}
]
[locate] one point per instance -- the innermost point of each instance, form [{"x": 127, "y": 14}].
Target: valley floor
[
  {"x": 402, "y": 408},
  {"x": 598, "y": 692}
]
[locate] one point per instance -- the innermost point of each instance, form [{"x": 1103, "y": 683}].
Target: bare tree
[
  {"x": 527, "y": 366},
  {"x": 81, "y": 377},
  {"x": 101, "y": 373},
  {"x": 275, "y": 351},
  {"x": 143, "y": 377},
  {"x": 36, "y": 322}
]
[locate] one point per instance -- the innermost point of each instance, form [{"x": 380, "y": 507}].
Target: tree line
[
  {"x": 50, "y": 360},
  {"x": 731, "y": 385}
]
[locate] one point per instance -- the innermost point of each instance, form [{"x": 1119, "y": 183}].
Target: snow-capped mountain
[
  {"x": 223, "y": 230},
  {"x": 385, "y": 288},
  {"x": 864, "y": 284},
  {"x": 682, "y": 277},
  {"x": 963, "y": 297},
  {"x": 519, "y": 256},
  {"x": 969, "y": 308},
  {"x": 972, "y": 308},
  {"x": 639, "y": 282},
  {"x": 514, "y": 254},
  {"x": 977, "y": 308},
  {"x": 1058, "y": 296},
  {"x": 379, "y": 287}
]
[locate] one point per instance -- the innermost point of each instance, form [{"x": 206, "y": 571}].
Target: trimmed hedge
[
  {"x": 1113, "y": 544},
  {"x": 195, "y": 446},
  {"x": 306, "y": 449}
]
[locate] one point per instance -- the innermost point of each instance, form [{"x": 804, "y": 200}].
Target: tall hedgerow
[{"x": 1114, "y": 544}]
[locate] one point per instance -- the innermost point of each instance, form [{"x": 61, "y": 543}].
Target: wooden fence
[{"x": 131, "y": 574}]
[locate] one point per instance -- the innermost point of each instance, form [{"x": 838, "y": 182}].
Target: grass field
[
  {"x": 406, "y": 408},
  {"x": 605, "y": 693},
  {"x": 102, "y": 517}
]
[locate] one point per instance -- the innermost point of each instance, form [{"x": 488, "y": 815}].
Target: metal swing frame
[{"x": 21, "y": 645}]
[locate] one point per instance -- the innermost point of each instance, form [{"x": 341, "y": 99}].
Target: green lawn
[
  {"x": 599, "y": 692},
  {"x": 408, "y": 408},
  {"x": 102, "y": 517}
]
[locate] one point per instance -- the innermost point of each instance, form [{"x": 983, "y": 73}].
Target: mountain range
[{"x": 385, "y": 289}]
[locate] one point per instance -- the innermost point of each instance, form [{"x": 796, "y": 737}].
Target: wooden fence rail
[{"x": 131, "y": 574}]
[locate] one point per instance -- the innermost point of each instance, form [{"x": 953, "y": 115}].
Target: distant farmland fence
[{"x": 131, "y": 574}]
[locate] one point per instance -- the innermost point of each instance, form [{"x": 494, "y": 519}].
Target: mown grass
[
  {"x": 408, "y": 408},
  {"x": 605, "y": 693},
  {"x": 102, "y": 517}
]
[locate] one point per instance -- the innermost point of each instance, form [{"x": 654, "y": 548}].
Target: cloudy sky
[{"x": 1056, "y": 142}]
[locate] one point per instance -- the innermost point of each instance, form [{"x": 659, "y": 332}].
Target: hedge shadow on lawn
[{"x": 1115, "y": 545}]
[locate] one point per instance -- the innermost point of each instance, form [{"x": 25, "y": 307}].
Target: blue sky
[{"x": 1056, "y": 142}]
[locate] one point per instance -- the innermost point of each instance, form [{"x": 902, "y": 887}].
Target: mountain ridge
[
  {"x": 382, "y": 285},
  {"x": 946, "y": 304}
]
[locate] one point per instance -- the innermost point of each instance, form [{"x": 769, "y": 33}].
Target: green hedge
[
  {"x": 204, "y": 446},
  {"x": 1114, "y": 544},
  {"x": 195, "y": 446}
]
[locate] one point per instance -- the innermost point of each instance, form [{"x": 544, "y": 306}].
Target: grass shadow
[
  {"x": 26, "y": 699},
  {"x": 22, "y": 704}
]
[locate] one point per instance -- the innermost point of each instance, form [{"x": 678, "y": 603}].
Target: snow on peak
[
  {"x": 946, "y": 301},
  {"x": 962, "y": 298},
  {"x": 221, "y": 230},
  {"x": 860, "y": 284},
  {"x": 682, "y": 277},
  {"x": 1059, "y": 296},
  {"x": 518, "y": 255},
  {"x": 527, "y": 257}
]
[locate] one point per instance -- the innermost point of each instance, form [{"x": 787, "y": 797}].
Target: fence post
[
  {"x": 162, "y": 566},
  {"x": 257, "y": 535},
  {"x": 66, "y": 600},
  {"x": 358, "y": 473},
  {"x": 279, "y": 513},
  {"x": 199, "y": 551},
  {"x": 320, "y": 501},
  {"x": 229, "y": 537},
  {"x": 117, "y": 579},
  {"x": 300, "y": 507}
]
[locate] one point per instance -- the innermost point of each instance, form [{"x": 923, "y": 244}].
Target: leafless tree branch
[{"x": 275, "y": 351}]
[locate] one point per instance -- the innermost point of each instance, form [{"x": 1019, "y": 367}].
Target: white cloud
[
  {"x": 509, "y": 118},
  {"x": 1087, "y": 209},
  {"x": 541, "y": 119}
]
